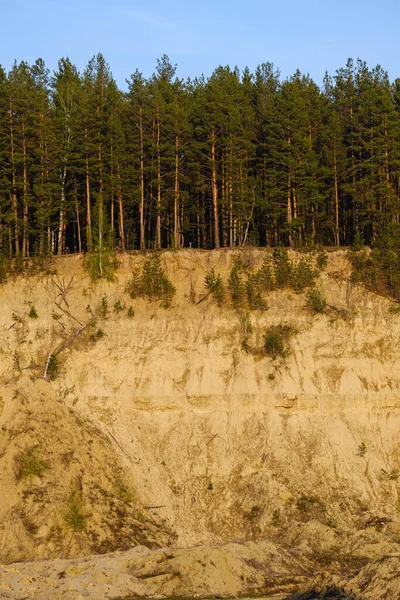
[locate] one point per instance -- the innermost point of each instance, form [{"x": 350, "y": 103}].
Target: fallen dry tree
[{"x": 63, "y": 289}]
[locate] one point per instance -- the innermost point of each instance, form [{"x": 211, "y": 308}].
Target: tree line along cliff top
[{"x": 223, "y": 161}]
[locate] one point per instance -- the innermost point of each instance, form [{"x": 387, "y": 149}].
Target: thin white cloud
[{"x": 150, "y": 18}]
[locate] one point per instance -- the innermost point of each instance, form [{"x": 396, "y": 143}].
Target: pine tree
[
  {"x": 67, "y": 99},
  {"x": 138, "y": 126}
]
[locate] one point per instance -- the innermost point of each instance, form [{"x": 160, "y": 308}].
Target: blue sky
[{"x": 312, "y": 35}]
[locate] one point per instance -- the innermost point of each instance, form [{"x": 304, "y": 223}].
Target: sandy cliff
[{"x": 166, "y": 433}]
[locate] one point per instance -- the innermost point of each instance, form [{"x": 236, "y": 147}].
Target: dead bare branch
[
  {"x": 69, "y": 314},
  {"x": 204, "y": 297}
]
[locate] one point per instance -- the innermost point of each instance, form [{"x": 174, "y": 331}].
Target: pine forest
[{"x": 237, "y": 158}]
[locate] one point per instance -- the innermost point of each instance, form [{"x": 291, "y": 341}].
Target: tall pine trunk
[
  {"x": 120, "y": 212},
  {"x": 214, "y": 189},
  {"x": 77, "y": 217},
  {"x": 289, "y": 213},
  {"x": 141, "y": 178},
  {"x": 25, "y": 242},
  {"x": 89, "y": 242},
  {"x": 176, "y": 196},
  {"x": 41, "y": 195},
  {"x": 335, "y": 175},
  {"x": 158, "y": 228},
  {"x": 60, "y": 248},
  {"x": 100, "y": 205},
  {"x": 14, "y": 183}
]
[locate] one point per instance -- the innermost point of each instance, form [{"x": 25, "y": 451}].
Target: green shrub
[
  {"x": 123, "y": 491},
  {"x": 101, "y": 265},
  {"x": 254, "y": 290},
  {"x": 4, "y": 268},
  {"x": 379, "y": 270},
  {"x": 303, "y": 275},
  {"x": 315, "y": 301},
  {"x": 74, "y": 515},
  {"x": 53, "y": 368},
  {"x": 155, "y": 282},
  {"x": 276, "y": 518},
  {"x": 96, "y": 336},
  {"x": 276, "y": 341},
  {"x": 103, "y": 309},
  {"x": 130, "y": 313},
  {"x": 41, "y": 263},
  {"x": 306, "y": 502},
  {"x": 362, "y": 449},
  {"x": 19, "y": 264},
  {"x": 151, "y": 282},
  {"x": 30, "y": 464},
  {"x": 283, "y": 267},
  {"x": 213, "y": 283},
  {"x": 134, "y": 285},
  {"x": 357, "y": 242},
  {"x": 118, "y": 306},
  {"x": 266, "y": 274},
  {"x": 33, "y": 313},
  {"x": 17, "y": 360},
  {"x": 236, "y": 285},
  {"x": 322, "y": 260}
]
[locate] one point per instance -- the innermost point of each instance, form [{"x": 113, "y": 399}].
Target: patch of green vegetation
[
  {"x": 330, "y": 522},
  {"x": 283, "y": 267},
  {"x": 315, "y": 300},
  {"x": 30, "y": 464},
  {"x": 130, "y": 313},
  {"x": 276, "y": 518},
  {"x": 123, "y": 491},
  {"x": 254, "y": 291},
  {"x": 276, "y": 340},
  {"x": 33, "y": 313},
  {"x": 19, "y": 264},
  {"x": 53, "y": 368},
  {"x": 236, "y": 284},
  {"x": 267, "y": 274},
  {"x": 213, "y": 283},
  {"x": 248, "y": 286},
  {"x": 118, "y": 306},
  {"x": 394, "y": 309},
  {"x": 103, "y": 310},
  {"x": 322, "y": 260},
  {"x": 304, "y": 503},
  {"x": 379, "y": 270},
  {"x": 4, "y": 268},
  {"x": 17, "y": 360},
  {"x": 362, "y": 449},
  {"x": 151, "y": 282},
  {"x": 95, "y": 337},
  {"x": 303, "y": 275},
  {"x": 41, "y": 263},
  {"x": 74, "y": 515},
  {"x": 101, "y": 265}
]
